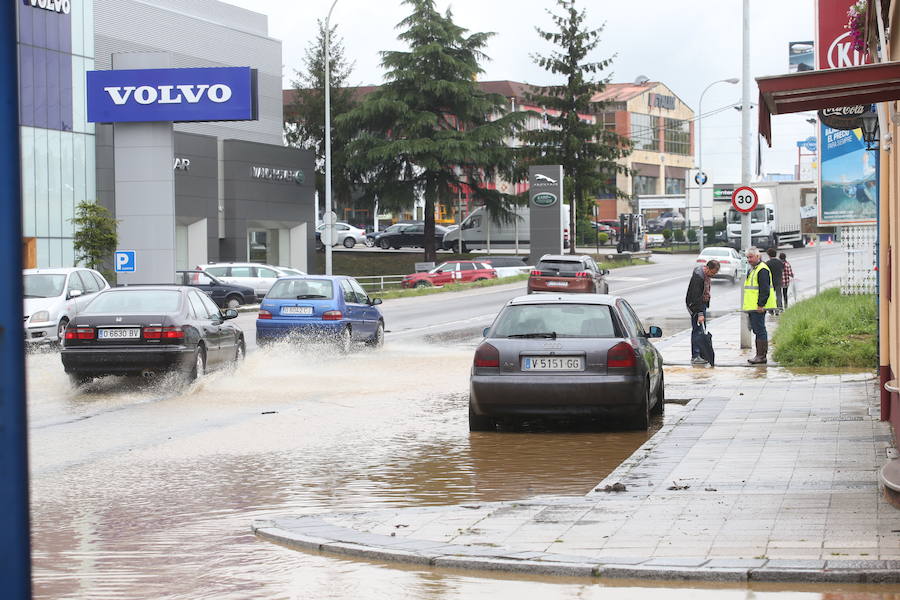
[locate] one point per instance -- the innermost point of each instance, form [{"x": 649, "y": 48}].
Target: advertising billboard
[
  {"x": 801, "y": 57},
  {"x": 180, "y": 95},
  {"x": 848, "y": 179}
]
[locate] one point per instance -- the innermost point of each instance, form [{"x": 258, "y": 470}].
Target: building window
[
  {"x": 678, "y": 137},
  {"x": 645, "y": 132},
  {"x": 608, "y": 120},
  {"x": 644, "y": 185},
  {"x": 674, "y": 185}
]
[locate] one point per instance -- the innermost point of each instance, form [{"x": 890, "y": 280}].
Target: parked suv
[
  {"x": 258, "y": 276},
  {"x": 567, "y": 273},
  {"x": 53, "y": 297}
]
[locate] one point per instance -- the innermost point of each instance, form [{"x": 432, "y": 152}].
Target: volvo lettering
[{"x": 163, "y": 94}]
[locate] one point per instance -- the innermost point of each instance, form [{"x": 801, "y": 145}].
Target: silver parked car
[
  {"x": 569, "y": 356},
  {"x": 53, "y": 297},
  {"x": 258, "y": 276}
]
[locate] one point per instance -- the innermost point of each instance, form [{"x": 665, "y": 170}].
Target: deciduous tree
[{"x": 95, "y": 237}]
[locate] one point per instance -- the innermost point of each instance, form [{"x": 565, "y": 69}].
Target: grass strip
[{"x": 828, "y": 330}]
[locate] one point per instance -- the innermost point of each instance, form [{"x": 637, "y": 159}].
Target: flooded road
[{"x": 147, "y": 490}]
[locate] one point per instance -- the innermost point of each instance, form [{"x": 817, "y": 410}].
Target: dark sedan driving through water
[
  {"x": 145, "y": 330},
  {"x": 566, "y": 356}
]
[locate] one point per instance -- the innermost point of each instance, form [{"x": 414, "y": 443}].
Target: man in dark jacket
[
  {"x": 777, "y": 268},
  {"x": 697, "y": 301}
]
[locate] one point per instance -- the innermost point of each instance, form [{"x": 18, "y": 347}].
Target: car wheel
[
  {"x": 199, "y": 368},
  {"x": 422, "y": 284},
  {"x": 240, "y": 352},
  {"x": 481, "y": 279},
  {"x": 385, "y": 244},
  {"x": 734, "y": 279},
  {"x": 397, "y": 247},
  {"x": 78, "y": 381},
  {"x": 344, "y": 340},
  {"x": 480, "y": 422},
  {"x": 640, "y": 420},
  {"x": 232, "y": 301},
  {"x": 61, "y": 330},
  {"x": 369, "y": 242},
  {"x": 349, "y": 242},
  {"x": 660, "y": 406},
  {"x": 377, "y": 340}
]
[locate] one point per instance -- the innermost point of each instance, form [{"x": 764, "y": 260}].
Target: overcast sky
[{"x": 660, "y": 39}]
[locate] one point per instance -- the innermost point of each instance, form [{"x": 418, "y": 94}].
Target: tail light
[
  {"x": 566, "y": 234},
  {"x": 163, "y": 333},
  {"x": 725, "y": 262},
  {"x": 264, "y": 314},
  {"x": 80, "y": 333},
  {"x": 622, "y": 355},
  {"x": 487, "y": 356},
  {"x": 582, "y": 274},
  {"x": 700, "y": 260},
  {"x": 537, "y": 273},
  {"x": 332, "y": 315}
]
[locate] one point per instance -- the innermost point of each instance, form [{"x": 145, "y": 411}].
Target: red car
[{"x": 457, "y": 271}]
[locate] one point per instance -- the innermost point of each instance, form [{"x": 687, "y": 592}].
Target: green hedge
[{"x": 828, "y": 330}]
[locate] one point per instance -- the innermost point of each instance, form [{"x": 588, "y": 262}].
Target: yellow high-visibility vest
[{"x": 751, "y": 289}]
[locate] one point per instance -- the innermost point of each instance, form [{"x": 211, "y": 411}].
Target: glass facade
[
  {"x": 678, "y": 137},
  {"x": 55, "y": 51},
  {"x": 645, "y": 185},
  {"x": 645, "y": 132},
  {"x": 675, "y": 185}
]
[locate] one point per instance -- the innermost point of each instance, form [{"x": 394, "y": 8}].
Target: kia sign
[
  {"x": 143, "y": 95},
  {"x": 744, "y": 199},
  {"x": 834, "y": 44}
]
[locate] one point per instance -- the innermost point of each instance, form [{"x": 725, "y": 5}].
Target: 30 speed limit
[{"x": 744, "y": 199}]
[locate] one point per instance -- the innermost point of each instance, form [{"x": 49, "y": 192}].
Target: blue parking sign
[{"x": 124, "y": 260}]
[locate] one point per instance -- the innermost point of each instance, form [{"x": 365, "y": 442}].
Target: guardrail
[{"x": 379, "y": 282}]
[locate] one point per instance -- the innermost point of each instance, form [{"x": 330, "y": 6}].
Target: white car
[
  {"x": 733, "y": 266},
  {"x": 258, "y": 276},
  {"x": 53, "y": 297},
  {"x": 348, "y": 235}
]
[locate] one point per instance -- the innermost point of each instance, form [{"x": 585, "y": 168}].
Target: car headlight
[{"x": 40, "y": 316}]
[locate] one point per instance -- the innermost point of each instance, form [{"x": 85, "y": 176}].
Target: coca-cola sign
[{"x": 844, "y": 117}]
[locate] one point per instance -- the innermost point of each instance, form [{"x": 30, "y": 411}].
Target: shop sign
[
  {"x": 844, "y": 117},
  {"x": 179, "y": 95},
  {"x": 544, "y": 199},
  {"x": 182, "y": 164},
  {"x": 58, "y": 6},
  {"x": 661, "y": 101},
  {"x": 268, "y": 173}
]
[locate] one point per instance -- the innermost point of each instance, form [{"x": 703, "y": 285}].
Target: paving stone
[{"x": 517, "y": 566}]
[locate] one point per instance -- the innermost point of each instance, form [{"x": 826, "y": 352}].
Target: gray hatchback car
[{"x": 566, "y": 356}]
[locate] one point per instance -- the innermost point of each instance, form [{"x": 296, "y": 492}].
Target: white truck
[
  {"x": 776, "y": 219},
  {"x": 480, "y": 232}
]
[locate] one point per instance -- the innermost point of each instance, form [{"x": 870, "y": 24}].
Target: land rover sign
[{"x": 544, "y": 199}]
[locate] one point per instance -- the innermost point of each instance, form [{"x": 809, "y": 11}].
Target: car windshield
[
  {"x": 44, "y": 285},
  {"x": 562, "y": 266},
  {"x": 716, "y": 252},
  {"x": 292, "y": 271},
  {"x": 555, "y": 320},
  {"x": 195, "y": 278},
  {"x": 301, "y": 289},
  {"x": 757, "y": 216},
  {"x": 132, "y": 302},
  {"x": 443, "y": 267}
]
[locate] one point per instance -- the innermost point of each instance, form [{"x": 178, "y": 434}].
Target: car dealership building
[{"x": 239, "y": 192}]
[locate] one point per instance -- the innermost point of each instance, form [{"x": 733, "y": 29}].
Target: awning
[{"x": 827, "y": 88}]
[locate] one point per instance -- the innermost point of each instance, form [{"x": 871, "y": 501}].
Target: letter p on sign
[{"x": 124, "y": 261}]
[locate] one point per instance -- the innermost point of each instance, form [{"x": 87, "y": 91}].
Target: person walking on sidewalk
[
  {"x": 697, "y": 300},
  {"x": 777, "y": 269},
  {"x": 786, "y": 276},
  {"x": 759, "y": 296}
]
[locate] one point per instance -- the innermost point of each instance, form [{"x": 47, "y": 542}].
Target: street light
[
  {"x": 870, "y": 128},
  {"x": 701, "y": 179},
  {"x": 330, "y": 224}
]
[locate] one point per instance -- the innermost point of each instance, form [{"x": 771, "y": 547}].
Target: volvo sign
[{"x": 179, "y": 95}]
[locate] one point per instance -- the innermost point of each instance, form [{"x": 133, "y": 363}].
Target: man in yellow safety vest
[{"x": 759, "y": 296}]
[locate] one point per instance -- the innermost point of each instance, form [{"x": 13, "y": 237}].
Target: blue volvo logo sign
[{"x": 203, "y": 94}]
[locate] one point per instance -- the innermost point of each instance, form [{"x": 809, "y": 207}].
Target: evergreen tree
[
  {"x": 589, "y": 153},
  {"x": 430, "y": 130},
  {"x": 95, "y": 235},
  {"x": 305, "y": 118}
]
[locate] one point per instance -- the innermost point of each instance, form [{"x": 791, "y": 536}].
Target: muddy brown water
[{"x": 147, "y": 490}]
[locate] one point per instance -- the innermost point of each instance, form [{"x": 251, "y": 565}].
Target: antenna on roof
[{"x": 641, "y": 80}]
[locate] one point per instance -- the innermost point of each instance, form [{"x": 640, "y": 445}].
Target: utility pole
[
  {"x": 745, "y": 154},
  {"x": 329, "y": 222}
]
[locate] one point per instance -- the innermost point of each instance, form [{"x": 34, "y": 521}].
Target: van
[{"x": 480, "y": 232}]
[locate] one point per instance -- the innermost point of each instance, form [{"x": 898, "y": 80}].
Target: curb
[{"x": 313, "y": 533}]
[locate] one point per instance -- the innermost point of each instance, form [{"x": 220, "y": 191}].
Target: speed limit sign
[{"x": 744, "y": 199}]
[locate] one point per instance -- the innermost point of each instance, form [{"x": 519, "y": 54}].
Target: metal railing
[{"x": 379, "y": 282}]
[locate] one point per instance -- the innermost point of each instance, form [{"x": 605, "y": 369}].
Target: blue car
[{"x": 334, "y": 308}]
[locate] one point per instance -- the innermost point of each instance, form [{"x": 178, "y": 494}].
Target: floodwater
[{"x": 147, "y": 490}]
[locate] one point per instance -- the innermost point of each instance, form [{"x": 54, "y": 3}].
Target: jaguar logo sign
[
  {"x": 844, "y": 117},
  {"x": 544, "y": 199},
  {"x": 177, "y": 95}
]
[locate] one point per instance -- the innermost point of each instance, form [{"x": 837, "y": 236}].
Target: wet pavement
[{"x": 766, "y": 476}]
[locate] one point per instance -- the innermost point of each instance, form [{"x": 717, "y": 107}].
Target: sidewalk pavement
[{"x": 766, "y": 475}]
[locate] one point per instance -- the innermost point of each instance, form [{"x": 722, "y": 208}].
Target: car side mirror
[
  {"x": 230, "y": 313},
  {"x": 75, "y": 293},
  {"x": 654, "y": 332},
  {"x": 484, "y": 332},
  {"x": 375, "y": 301},
  {"x": 604, "y": 271}
]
